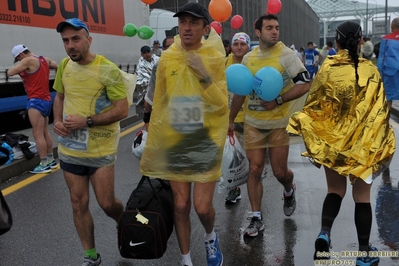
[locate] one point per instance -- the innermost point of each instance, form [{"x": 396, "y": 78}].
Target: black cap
[
  {"x": 195, "y": 9},
  {"x": 145, "y": 48},
  {"x": 348, "y": 29}
]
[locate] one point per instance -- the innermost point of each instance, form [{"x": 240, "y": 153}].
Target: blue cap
[{"x": 74, "y": 22}]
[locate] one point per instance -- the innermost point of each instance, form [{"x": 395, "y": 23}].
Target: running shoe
[
  {"x": 368, "y": 261},
  {"x": 233, "y": 195},
  {"x": 255, "y": 226},
  {"x": 41, "y": 169},
  {"x": 214, "y": 256},
  {"x": 322, "y": 247},
  {"x": 289, "y": 203},
  {"x": 89, "y": 261},
  {"x": 53, "y": 164}
]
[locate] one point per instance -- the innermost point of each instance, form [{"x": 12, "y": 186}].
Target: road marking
[{"x": 36, "y": 177}]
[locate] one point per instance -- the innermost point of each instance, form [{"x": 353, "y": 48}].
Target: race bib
[
  {"x": 308, "y": 62},
  {"x": 77, "y": 140},
  {"x": 186, "y": 114},
  {"x": 254, "y": 103}
]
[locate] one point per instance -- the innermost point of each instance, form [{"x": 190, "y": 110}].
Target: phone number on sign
[{"x": 14, "y": 18}]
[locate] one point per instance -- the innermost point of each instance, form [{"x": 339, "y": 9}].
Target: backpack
[{"x": 147, "y": 222}]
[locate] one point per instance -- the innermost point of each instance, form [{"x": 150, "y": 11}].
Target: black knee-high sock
[
  {"x": 363, "y": 220},
  {"x": 331, "y": 206}
]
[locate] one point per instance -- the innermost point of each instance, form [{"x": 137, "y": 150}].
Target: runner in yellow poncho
[
  {"x": 188, "y": 126},
  {"x": 265, "y": 122}
]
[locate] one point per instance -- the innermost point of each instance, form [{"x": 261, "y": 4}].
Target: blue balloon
[
  {"x": 268, "y": 83},
  {"x": 239, "y": 79}
]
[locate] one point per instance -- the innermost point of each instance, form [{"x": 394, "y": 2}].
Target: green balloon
[
  {"x": 130, "y": 29},
  {"x": 145, "y": 32}
]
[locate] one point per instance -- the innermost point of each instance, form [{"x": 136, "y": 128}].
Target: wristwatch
[
  {"x": 279, "y": 100},
  {"x": 89, "y": 121}
]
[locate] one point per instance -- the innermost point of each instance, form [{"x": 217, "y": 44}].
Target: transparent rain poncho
[
  {"x": 89, "y": 90},
  {"x": 188, "y": 123}
]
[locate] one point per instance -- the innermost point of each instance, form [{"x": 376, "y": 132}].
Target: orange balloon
[
  {"x": 220, "y": 10},
  {"x": 148, "y": 2}
]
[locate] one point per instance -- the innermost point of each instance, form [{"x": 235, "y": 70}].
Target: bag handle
[
  {"x": 232, "y": 140},
  {"x": 143, "y": 178}
]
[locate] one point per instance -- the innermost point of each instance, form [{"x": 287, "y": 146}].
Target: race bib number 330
[{"x": 186, "y": 114}]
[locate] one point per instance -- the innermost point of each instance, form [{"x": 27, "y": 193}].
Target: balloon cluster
[
  {"x": 220, "y": 11},
  {"x": 273, "y": 7},
  {"x": 144, "y": 32},
  {"x": 267, "y": 82}
]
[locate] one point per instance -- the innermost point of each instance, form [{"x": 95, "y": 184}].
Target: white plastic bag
[
  {"x": 139, "y": 143},
  {"x": 235, "y": 165}
]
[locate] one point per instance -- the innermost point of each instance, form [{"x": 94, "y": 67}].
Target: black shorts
[{"x": 77, "y": 169}]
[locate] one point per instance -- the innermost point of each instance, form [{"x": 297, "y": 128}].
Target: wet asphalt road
[{"x": 43, "y": 232}]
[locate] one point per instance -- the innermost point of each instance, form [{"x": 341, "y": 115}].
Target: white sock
[
  {"x": 186, "y": 259},
  {"x": 287, "y": 194},
  {"x": 257, "y": 214},
  {"x": 211, "y": 236},
  {"x": 50, "y": 157}
]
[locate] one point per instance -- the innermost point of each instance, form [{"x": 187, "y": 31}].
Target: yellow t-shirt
[
  {"x": 89, "y": 90},
  {"x": 188, "y": 124},
  {"x": 240, "y": 116},
  {"x": 284, "y": 60}
]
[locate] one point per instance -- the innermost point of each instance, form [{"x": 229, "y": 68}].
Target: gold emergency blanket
[
  {"x": 188, "y": 124},
  {"x": 346, "y": 127}
]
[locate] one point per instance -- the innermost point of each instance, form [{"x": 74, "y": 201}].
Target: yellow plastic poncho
[
  {"x": 188, "y": 124},
  {"x": 88, "y": 90},
  {"x": 345, "y": 127}
]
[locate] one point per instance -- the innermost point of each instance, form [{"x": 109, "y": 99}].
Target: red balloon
[
  {"x": 220, "y": 10},
  {"x": 236, "y": 22},
  {"x": 217, "y": 27},
  {"x": 273, "y": 7},
  {"x": 148, "y": 2}
]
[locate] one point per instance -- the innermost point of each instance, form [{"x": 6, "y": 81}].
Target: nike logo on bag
[{"x": 135, "y": 244}]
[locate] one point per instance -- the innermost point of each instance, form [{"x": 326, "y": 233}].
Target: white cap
[
  {"x": 292, "y": 47},
  {"x": 17, "y": 50}
]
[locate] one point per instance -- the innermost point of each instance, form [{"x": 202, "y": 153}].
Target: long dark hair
[{"x": 348, "y": 37}]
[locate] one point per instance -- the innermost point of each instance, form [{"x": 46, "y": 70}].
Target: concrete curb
[{"x": 18, "y": 167}]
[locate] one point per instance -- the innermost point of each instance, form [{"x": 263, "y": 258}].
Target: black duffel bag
[{"x": 147, "y": 222}]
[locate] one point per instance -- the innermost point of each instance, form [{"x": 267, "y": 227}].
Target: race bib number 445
[
  {"x": 186, "y": 114},
  {"x": 77, "y": 140}
]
